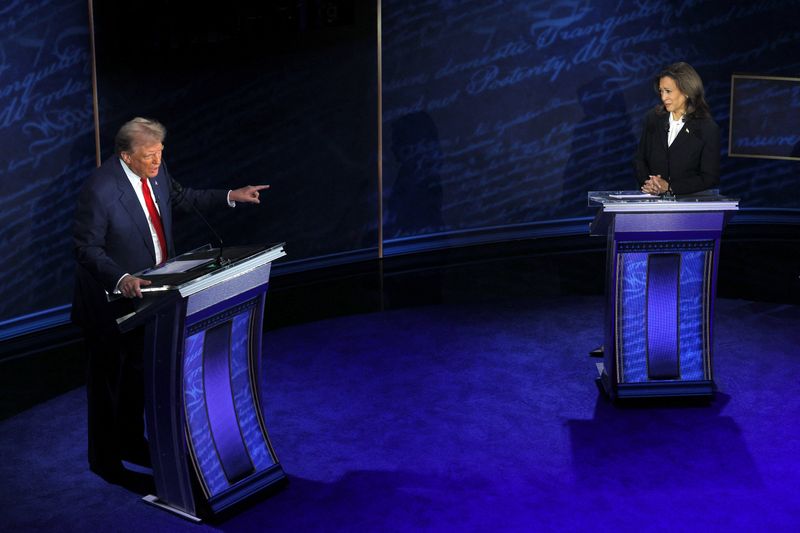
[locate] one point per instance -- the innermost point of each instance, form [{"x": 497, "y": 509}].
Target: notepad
[{"x": 638, "y": 196}]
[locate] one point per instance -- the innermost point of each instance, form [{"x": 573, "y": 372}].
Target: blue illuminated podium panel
[
  {"x": 661, "y": 273},
  {"x": 204, "y": 380}
]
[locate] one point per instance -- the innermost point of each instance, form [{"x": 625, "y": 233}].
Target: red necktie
[{"x": 155, "y": 218}]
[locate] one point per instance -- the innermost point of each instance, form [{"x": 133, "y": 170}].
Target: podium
[
  {"x": 661, "y": 274},
  {"x": 204, "y": 383}
]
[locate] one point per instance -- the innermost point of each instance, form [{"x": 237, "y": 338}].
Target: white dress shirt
[{"x": 674, "y": 128}]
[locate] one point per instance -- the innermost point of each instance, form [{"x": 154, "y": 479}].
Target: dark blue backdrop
[
  {"x": 506, "y": 113},
  {"x": 497, "y": 116},
  {"x": 46, "y": 148}
]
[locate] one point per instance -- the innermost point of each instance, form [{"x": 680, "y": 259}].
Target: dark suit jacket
[
  {"x": 111, "y": 236},
  {"x": 691, "y": 164}
]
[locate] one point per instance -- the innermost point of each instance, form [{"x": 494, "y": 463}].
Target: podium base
[
  {"x": 153, "y": 500},
  {"x": 653, "y": 389}
]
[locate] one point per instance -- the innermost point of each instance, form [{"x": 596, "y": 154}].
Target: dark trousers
[{"x": 115, "y": 395}]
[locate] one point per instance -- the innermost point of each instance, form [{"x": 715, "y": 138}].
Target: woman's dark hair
[{"x": 689, "y": 83}]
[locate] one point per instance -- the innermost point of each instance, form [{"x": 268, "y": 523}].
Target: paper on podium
[
  {"x": 633, "y": 196},
  {"x": 176, "y": 267}
]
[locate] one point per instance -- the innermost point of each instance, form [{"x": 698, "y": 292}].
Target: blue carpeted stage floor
[{"x": 481, "y": 416}]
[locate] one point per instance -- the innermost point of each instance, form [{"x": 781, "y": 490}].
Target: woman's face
[{"x": 672, "y": 97}]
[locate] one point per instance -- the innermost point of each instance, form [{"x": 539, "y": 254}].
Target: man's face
[{"x": 145, "y": 159}]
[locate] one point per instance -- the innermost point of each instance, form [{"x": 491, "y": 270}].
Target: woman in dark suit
[{"x": 679, "y": 148}]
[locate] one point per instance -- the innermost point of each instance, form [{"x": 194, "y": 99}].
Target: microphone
[{"x": 219, "y": 260}]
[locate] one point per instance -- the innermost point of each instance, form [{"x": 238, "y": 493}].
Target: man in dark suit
[{"x": 123, "y": 224}]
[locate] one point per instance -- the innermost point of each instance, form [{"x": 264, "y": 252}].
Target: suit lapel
[
  {"x": 687, "y": 127},
  {"x": 130, "y": 203},
  {"x": 680, "y": 139},
  {"x": 160, "y": 186}
]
